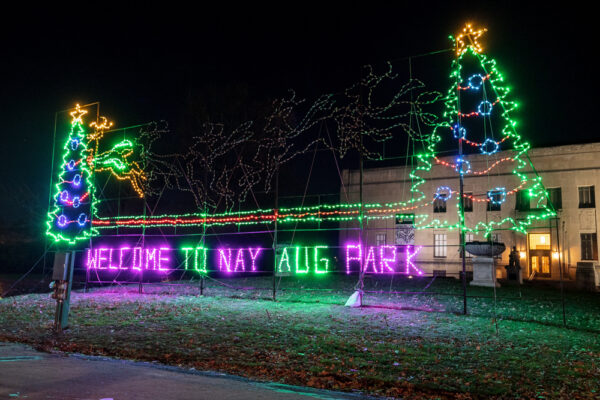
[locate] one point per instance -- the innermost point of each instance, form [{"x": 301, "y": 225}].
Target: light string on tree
[
  {"x": 69, "y": 220},
  {"x": 456, "y": 121}
]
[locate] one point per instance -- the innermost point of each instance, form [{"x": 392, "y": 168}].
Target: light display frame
[{"x": 298, "y": 259}]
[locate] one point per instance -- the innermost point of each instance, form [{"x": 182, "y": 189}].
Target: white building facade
[{"x": 570, "y": 175}]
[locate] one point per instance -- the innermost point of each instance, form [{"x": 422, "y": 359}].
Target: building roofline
[{"x": 533, "y": 153}]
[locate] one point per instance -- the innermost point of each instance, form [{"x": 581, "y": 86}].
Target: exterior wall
[{"x": 567, "y": 167}]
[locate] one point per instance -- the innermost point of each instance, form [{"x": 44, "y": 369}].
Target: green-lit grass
[{"x": 309, "y": 338}]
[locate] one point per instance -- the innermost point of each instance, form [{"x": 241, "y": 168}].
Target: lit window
[
  {"x": 380, "y": 238},
  {"x": 440, "y": 243},
  {"x": 539, "y": 241}
]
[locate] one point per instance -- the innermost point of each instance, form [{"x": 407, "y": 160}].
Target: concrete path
[{"x": 28, "y": 374}]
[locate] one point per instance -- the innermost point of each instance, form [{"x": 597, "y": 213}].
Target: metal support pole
[
  {"x": 461, "y": 229},
  {"x": 361, "y": 275},
  {"x": 62, "y": 276},
  {"x": 560, "y": 268},
  {"x": 140, "y": 284},
  {"x": 203, "y": 275},
  {"x": 276, "y": 212}
]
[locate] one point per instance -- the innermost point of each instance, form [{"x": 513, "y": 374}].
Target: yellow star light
[
  {"x": 469, "y": 38},
  {"x": 77, "y": 114}
]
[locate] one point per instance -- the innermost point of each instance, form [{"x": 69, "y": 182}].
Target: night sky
[{"x": 142, "y": 64}]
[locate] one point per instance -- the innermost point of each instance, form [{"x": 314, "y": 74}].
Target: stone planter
[
  {"x": 485, "y": 249},
  {"x": 484, "y": 269}
]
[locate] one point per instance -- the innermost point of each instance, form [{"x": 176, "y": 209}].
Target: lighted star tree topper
[
  {"x": 477, "y": 117},
  {"x": 69, "y": 221}
]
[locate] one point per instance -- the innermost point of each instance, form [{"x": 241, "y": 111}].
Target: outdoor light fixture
[
  {"x": 523, "y": 254},
  {"x": 555, "y": 255}
]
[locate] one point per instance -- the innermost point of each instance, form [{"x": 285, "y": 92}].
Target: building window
[
  {"x": 587, "y": 198},
  {"x": 589, "y": 246},
  {"x": 555, "y": 198},
  {"x": 380, "y": 238},
  {"x": 539, "y": 241},
  {"x": 469, "y": 237},
  {"x": 497, "y": 237},
  {"x": 440, "y": 242},
  {"x": 468, "y": 202},
  {"x": 439, "y": 205},
  {"x": 494, "y": 201},
  {"x": 523, "y": 201}
]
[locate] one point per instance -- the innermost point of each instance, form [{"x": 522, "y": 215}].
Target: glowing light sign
[
  {"x": 320, "y": 265},
  {"x": 129, "y": 258},
  {"x": 382, "y": 259},
  {"x": 290, "y": 260}
]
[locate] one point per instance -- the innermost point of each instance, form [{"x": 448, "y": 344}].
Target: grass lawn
[{"x": 415, "y": 346}]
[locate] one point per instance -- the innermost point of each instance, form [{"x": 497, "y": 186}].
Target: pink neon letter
[
  {"x": 151, "y": 255},
  {"x": 121, "y": 256},
  {"x": 349, "y": 258},
  {"x": 383, "y": 261},
  {"x": 101, "y": 258},
  {"x": 239, "y": 259},
  {"x": 161, "y": 258},
  {"x": 370, "y": 259},
  {"x": 91, "y": 261},
  {"x": 137, "y": 254},
  {"x": 110, "y": 266},
  {"x": 226, "y": 260},
  {"x": 253, "y": 257},
  {"x": 409, "y": 257}
]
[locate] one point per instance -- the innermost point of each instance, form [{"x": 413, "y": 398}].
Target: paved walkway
[{"x": 28, "y": 374}]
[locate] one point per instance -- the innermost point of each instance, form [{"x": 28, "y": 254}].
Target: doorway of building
[{"x": 539, "y": 255}]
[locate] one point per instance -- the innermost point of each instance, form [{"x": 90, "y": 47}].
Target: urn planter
[{"x": 484, "y": 269}]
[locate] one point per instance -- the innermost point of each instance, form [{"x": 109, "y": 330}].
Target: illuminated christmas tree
[
  {"x": 477, "y": 118},
  {"x": 70, "y": 219}
]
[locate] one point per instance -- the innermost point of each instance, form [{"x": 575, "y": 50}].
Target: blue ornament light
[
  {"x": 76, "y": 202},
  {"x": 489, "y": 146},
  {"x": 459, "y": 132},
  {"x": 475, "y": 81},
  {"x": 460, "y": 162},
  {"x": 74, "y": 144},
  {"x": 62, "y": 220},
  {"x": 82, "y": 219},
  {"x": 77, "y": 180},
  {"x": 497, "y": 195},
  {"x": 485, "y": 108},
  {"x": 71, "y": 165},
  {"x": 443, "y": 193}
]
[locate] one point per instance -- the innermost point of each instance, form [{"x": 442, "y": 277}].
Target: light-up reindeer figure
[{"x": 114, "y": 160}]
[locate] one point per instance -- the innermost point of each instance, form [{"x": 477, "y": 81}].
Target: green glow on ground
[{"x": 309, "y": 338}]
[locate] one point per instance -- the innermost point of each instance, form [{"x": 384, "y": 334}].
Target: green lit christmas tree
[
  {"x": 70, "y": 220},
  {"x": 477, "y": 117}
]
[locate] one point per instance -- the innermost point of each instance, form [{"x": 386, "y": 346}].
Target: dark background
[{"x": 151, "y": 63}]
